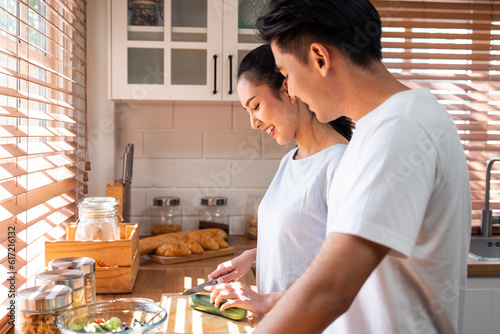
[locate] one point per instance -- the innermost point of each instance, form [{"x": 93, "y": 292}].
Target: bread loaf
[
  {"x": 173, "y": 248},
  {"x": 194, "y": 241}
]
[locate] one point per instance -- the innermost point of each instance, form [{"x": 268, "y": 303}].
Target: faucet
[{"x": 486, "y": 212}]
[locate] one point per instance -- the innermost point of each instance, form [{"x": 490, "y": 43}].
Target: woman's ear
[
  {"x": 320, "y": 57},
  {"x": 284, "y": 87}
]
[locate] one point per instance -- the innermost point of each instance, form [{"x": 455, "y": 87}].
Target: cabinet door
[
  {"x": 169, "y": 52},
  {"x": 240, "y": 18}
]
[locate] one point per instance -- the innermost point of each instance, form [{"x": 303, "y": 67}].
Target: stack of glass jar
[{"x": 85, "y": 264}]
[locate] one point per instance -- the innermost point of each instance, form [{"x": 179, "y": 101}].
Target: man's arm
[{"x": 327, "y": 288}]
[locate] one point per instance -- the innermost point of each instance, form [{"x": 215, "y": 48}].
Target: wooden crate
[{"x": 120, "y": 257}]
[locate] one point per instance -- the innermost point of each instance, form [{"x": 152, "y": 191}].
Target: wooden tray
[
  {"x": 121, "y": 257},
  {"x": 183, "y": 319},
  {"x": 179, "y": 259}
]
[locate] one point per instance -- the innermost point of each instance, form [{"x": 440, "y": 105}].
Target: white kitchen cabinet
[
  {"x": 482, "y": 305},
  {"x": 191, "y": 53}
]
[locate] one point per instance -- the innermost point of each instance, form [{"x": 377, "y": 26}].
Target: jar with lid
[
  {"x": 85, "y": 264},
  {"x": 166, "y": 215},
  {"x": 251, "y": 220},
  {"x": 38, "y": 308},
  {"x": 145, "y": 13},
  {"x": 98, "y": 219},
  {"x": 74, "y": 279},
  {"x": 214, "y": 213}
]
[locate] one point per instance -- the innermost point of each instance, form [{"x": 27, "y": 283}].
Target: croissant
[
  {"x": 193, "y": 246},
  {"x": 205, "y": 240},
  {"x": 173, "y": 248}
]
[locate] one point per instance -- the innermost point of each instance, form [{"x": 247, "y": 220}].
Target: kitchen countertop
[{"x": 155, "y": 278}]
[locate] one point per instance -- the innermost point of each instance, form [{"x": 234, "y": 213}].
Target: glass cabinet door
[
  {"x": 240, "y": 21},
  {"x": 167, "y": 49}
]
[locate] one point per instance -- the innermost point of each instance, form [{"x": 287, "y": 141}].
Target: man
[{"x": 395, "y": 256}]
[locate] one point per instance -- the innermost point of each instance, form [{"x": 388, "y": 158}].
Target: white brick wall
[{"x": 191, "y": 150}]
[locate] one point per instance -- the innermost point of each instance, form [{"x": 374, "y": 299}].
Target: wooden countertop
[{"x": 154, "y": 279}]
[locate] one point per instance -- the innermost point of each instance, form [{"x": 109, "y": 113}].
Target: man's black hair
[
  {"x": 259, "y": 67},
  {"x": 352, "y": 26}
]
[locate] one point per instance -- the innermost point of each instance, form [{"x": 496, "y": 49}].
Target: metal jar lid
[
  {"x": 44, "y": 298},
  {"x": 166, "y": 201},
  {"x": 85, "y": 264},
  {"x": 213, "y": 201},
  {"x": 74, "y": 279}
]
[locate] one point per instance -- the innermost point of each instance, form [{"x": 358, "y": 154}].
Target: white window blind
[
  {"x": 42, "y": 128},
  {"x": 452, "y": 48}
]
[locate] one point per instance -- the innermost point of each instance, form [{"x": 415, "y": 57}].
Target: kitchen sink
[{"x": 485, "y": 249}]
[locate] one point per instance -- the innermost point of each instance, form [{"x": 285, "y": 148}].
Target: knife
[{"x": 201, "y": 287}]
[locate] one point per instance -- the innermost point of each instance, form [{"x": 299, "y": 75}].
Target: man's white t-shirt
[
  {"x": 292, "y": 217},
  {"x": 403, "y": 183}
]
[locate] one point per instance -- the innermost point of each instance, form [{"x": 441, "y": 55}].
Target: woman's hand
[
  {"x": 232, "y": 270},
  {"x": 240, "y": 295}
]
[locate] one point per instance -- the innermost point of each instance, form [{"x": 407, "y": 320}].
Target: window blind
[
  {"x": 452, "y": 48},
  {"x": 42, "y": 130}
]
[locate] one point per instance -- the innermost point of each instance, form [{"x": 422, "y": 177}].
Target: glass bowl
[{"x": 126, "y": 309}]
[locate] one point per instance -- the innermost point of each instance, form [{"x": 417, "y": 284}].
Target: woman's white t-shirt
[{"x": 292, "y": 217}]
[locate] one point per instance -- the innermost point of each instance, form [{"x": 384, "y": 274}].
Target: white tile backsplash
[
  {"x": 203, "y": 117},
  {"x": 193, "y": 150},
  {"x": 172, "y": 144},
  {"x": 242, "y": 145},
  {"x": 153, "y": 173},
  {"x": 131, "y": 115}
]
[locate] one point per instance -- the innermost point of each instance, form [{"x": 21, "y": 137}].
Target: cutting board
[
  {"x": 183, "y": 319},
  {"x": 193, "y": 257}
]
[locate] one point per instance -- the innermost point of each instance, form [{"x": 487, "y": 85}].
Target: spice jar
[
  {"x": 214, "y": 213},
  {"x": 38, "y": 308},
  {"x": 98, "y": 219},
  {"x": 145, "y": 13},
  {"x": 166, "y": 215},
  {"x": 85, "y": 264},
  {"x": 74, "y": 279}
]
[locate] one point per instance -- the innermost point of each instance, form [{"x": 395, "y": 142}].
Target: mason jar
[
  {"x": 85, "y": 264},
  {"x": 38, "y": 308},
  {"x": 74, "y": 279},
  {"x": 166, "y": 215},
  {"x": 214, "y": 213},
  {"x": 97, "y": 219}
]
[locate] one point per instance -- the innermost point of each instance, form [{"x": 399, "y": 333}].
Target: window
[
  {"x": 452, "y": 48},
  {"x": 42, "y": 130}
]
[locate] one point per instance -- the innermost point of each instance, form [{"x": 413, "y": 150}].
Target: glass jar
[
  {"x": 251, "y": 220},
  {"x": 98, "y": 219},
  {"x": 74, "y": 279},
  {"x": 214, "y": 213},
  {"x": 85, "y": 264},
  {"x": 145, "y": 13},
  {"x": 166, "y": 215},
  {"x": 38, "y": 308}
]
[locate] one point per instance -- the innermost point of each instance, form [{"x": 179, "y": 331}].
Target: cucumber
[{"x": 201, "y": 302}]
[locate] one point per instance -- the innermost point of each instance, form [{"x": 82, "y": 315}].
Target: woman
[{"x": 293, "y": 213}]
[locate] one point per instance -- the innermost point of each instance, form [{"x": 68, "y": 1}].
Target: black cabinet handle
[
  {"x": 215, "y": 75},
  {"x": 230, "y": 75}
]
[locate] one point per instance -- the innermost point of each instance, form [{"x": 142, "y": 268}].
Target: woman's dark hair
[
  {"x": 352, "y": 26},
  {"x": 259, "y": 67}
]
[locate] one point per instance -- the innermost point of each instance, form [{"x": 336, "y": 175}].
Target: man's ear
[{"x": 320, "y": 57}]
